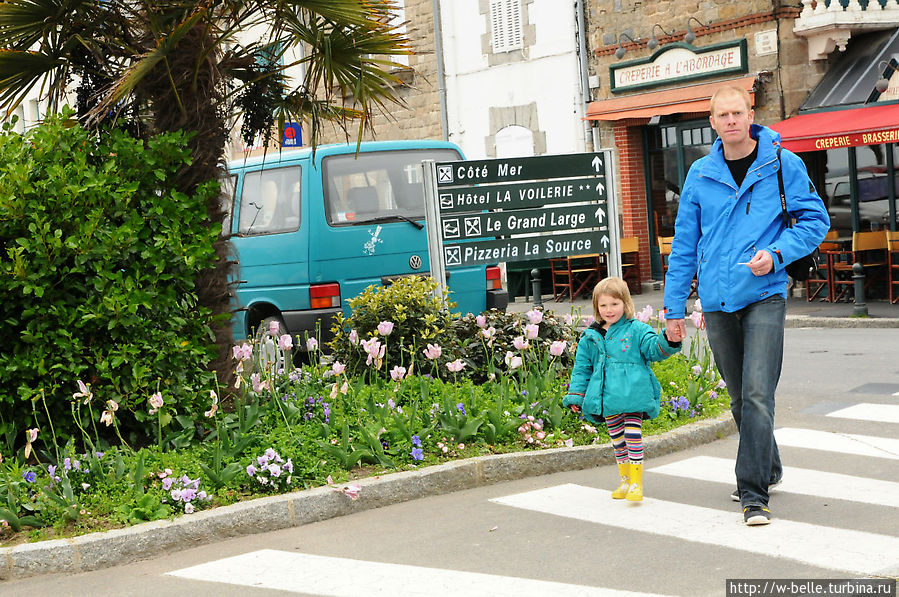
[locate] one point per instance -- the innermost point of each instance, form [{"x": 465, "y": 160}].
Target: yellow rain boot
[
  {"x": 624, "y": 469},
  {"x": 635, "y": 491}
]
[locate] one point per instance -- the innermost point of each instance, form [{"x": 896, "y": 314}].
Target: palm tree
[{"x": 167, "y": 65}]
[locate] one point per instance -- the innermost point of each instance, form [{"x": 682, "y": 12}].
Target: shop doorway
[{"x": 670, "y": 151}]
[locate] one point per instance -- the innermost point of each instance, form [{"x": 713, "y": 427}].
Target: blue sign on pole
[{"x": 293, "y": 135}]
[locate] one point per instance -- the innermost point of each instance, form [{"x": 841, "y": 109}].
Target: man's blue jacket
[{"x": 719, "y": 226}]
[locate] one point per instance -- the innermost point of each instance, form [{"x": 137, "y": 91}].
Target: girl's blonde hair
[{"x": 615, "y": 288}]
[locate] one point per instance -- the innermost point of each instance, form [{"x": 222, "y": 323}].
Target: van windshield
[{"x": 377, "y": 185}]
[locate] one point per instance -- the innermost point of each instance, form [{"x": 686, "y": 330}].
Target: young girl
[{"x": 612, "y": 380}]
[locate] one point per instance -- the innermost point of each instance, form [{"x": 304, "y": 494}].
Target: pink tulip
[
  {"x": 285, "y": 342},
  {"x": 535, "y": 316},
  {"x": 520, "y": 343},
  {"x": 337, "y": 367},
  {"x": 385, "y": 327},
  {"x": 512, "y": 360},
  {"x": 433, "y": 351},
  {"x": 311, "y": 344},
  {"x": 273, "y": 327},
  {"x": 557, "y": 348},
  {"x": 481, "y": 320},
  {"x": 83, "y": 392},
  {"x": 455, "y": 366},
  {"x": 532, "y": 330},
  {"x": 155, "y": 402},
  {"x": 398, "y": 373},
  {"x": 354, "y": 337},
  {"x": 696, "y": 318}
]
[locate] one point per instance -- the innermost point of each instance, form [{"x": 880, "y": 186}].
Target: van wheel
[{"x": 268, "y": 355}]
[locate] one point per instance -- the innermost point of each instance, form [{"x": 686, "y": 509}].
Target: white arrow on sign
[
  {"x": 600, "y": 188},
  {"x": 596, "y": 163},
  {"x": 600, "y": 214},
  {"x": 605, "y": 241}
]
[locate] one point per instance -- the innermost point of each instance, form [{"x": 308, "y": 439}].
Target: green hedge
[{"x": 98, "y": 257}]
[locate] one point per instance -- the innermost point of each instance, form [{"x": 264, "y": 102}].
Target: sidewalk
[{"x": 800, "y": 313}]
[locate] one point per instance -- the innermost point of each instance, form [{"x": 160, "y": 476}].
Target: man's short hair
[{"x": 730, "y": 91}]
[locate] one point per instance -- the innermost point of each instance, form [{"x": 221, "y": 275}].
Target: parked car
[{"x": 312, "y": 231}]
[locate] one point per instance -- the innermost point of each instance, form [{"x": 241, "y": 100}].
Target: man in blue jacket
[{"x": 731, "y": 234}]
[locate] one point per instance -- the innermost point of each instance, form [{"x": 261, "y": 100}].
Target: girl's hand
[{"x": 575, "y": 408}]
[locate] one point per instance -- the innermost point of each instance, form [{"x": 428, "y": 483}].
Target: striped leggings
[{"x": 626, "y": 431}]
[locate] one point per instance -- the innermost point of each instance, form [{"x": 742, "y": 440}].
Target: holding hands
[{"x": 675, "y": 330}]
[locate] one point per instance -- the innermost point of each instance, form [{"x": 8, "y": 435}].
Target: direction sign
[
  {"x": 528, "y": 194},
  {"x": 512, "y": 169},
  {"x": 522, "y": 221},
  {"x": 522, "y": 248}
]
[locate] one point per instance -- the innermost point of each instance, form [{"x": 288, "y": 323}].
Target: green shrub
[
  {"x": 98, "y": 257},
  {"x": 419, "y": 318}
]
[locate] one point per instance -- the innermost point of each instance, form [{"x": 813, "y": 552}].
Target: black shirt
[{"x": 739, "y": 168}]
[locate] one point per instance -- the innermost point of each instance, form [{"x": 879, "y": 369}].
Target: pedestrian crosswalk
[
  {"x": 866, "y": 411},
  {"x": 795, "y": 480},
  {"x": 860, "y": 552},
  {"x": 344, "y": 577},
  {"x": 829, "y": 545}
]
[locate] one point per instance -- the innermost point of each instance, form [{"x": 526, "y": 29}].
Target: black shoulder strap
[{"x": 783, "y": 195}]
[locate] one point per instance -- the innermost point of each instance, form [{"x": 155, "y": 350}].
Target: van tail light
[
  {"x": 493, "y": 278},
  {"x": 323, "y": 296}
]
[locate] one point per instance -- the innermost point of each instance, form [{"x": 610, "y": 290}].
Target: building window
[
  {"x": 505, "y": 25},
  {"x": 514, "y": 141},
  {"x": 398, "y": 22}
]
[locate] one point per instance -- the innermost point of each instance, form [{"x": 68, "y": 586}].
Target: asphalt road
[{"x": 560, "y": 534}]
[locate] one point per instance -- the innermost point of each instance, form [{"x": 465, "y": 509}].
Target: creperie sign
[
  {"x": 679, "y": 63},
  {"x": 854, "y": 140}
]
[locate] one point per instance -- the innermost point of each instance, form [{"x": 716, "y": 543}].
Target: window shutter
[{"x": 505, "y": 25}]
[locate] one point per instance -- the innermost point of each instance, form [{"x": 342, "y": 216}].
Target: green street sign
[
  {"x": 522, "y": 221},
  {"x": 472, "y": 172},
  {"x": 525, "y": 248},
  {"x": 519, "y": 195}
]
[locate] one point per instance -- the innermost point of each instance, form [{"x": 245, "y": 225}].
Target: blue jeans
[{"x": 748, "y": 350}]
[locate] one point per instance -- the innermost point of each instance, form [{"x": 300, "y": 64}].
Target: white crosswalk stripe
[
  {"x": 845, "y": 443},
  {"x": 867, "y": 411},
  {"x": 859, "y": 552},
  {"x": 342, "y": 577},
  {"x": 795, "y": 480}
]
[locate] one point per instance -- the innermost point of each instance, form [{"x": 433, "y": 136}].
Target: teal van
[{"x": 311, "y": 232}]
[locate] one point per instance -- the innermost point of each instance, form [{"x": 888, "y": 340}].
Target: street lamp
[
  {"x": 620, "y": 52},
  {"x": 690, "y": 37},
  {"x": 653, "y": 43},
  {"x": 883, "y": 83}
]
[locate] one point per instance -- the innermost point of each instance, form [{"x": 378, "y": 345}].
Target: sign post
[{"x": 499, "y": 210}]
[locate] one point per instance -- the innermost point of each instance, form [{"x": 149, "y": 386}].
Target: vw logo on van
[{"x": 415, "y": 262}]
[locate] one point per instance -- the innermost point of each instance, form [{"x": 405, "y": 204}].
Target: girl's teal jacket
[{"x": 611, "y": 375}]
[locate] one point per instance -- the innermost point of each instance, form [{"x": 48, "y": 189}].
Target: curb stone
[{"x": 121, "y": 546}]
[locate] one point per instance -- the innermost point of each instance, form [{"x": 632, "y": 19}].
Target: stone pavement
[{"x": 102, "y": 550}]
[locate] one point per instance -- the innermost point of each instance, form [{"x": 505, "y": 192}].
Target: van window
[
  {"x": 226, "y": 201},
  {"x": 377, "y": 185},
  {"x": 270, "y": 201}
]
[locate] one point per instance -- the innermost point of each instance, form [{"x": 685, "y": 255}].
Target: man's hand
[
  {"x": 675, "y": 330},
  {"x": 761, "y": 263}
]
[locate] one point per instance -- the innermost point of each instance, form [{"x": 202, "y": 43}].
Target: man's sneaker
[
  {"x": 756, "y": 515},
  {"x": 735, "y": 496}
]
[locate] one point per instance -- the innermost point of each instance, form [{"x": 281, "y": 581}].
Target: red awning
[
  {"x": 840, "y": 128},
  {"x": 682, "y": 100}
]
